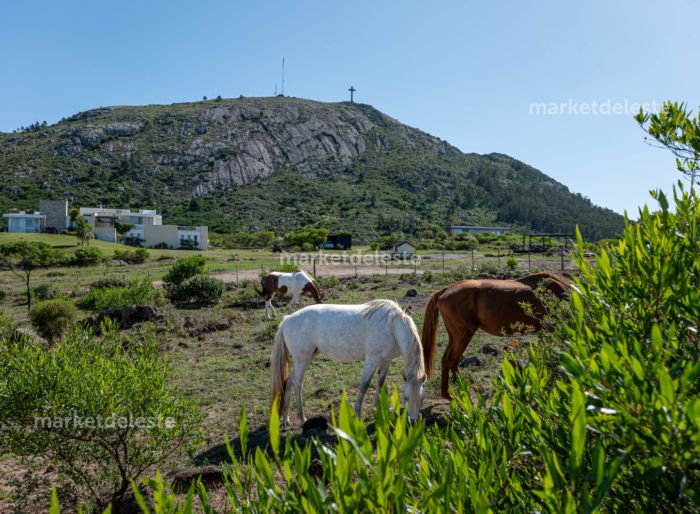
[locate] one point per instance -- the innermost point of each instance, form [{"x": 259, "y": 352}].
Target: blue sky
[{"x": 465, "y": 71}]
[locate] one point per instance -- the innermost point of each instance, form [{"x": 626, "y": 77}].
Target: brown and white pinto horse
[
  {"x": 494, "y": 306},
  {"x": 295, "y": 284}
]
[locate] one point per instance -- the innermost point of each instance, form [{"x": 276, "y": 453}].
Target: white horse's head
[{"x": 413, "y": 395}]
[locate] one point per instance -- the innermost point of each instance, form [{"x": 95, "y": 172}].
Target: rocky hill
[{"x": 282, "y": 163}]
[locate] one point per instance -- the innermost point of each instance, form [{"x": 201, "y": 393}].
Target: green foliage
[
  {"x": 307, "y": 239},
  {"x": 87, "y": 256},
  {"x": 136, "y": 293},
  {"x": 328, "y": 282},
  {"x": 136, "y": 256},
  {"x": 384, "y": 242},
  {"x": 52, "y": 318},
  {"x": 100, "y": 411},
  {"x": 512, "y": 263},
  {"x": 675, "y": 128},
  {"x": 199, "y": 289},
  {"x": 289, "y": 267},
  {"x": 185, "y": 268}
]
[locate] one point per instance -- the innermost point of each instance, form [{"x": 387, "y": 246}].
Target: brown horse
[{"x": 494, "y": 306}]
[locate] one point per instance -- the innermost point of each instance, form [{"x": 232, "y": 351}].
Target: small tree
[
  {"x": 23, "y": 257},
  {"x": 74, "y": 213},
  {"x": 122, "y": 229},
  {"x": 84, "y": 231}
]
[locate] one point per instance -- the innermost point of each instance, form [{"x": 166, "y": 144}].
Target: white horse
[
  {"x": 295, "y": 284},
  {"x": 376, "y": 332}
]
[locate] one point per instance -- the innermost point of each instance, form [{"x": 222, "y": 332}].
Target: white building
[
  {"x": 148, "y": 229},
  {"x": 26, "y": 222},
  {"x": 403, "y": 250},
  {"x": 147, "y": 225}
]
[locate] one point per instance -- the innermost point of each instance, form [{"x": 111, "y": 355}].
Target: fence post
[
  {"x": 236, "y": 274},
  {"x": 386, "y": 267},
  {"x": 528, "y": 261},
  {"x": 314, "y": 266},
  {"x": 443, "y": 262},
  {"x": 562, "y": 258},
  {"x": 499, "y": 257},
  {"x": 473, "y": 265}
]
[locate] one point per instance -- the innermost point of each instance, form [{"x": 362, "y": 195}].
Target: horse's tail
[
  {"x": 430, "y": 327},
  {"x": 280, "y": 369}
]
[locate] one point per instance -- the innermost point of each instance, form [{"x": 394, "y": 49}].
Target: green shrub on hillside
[
  {"x": 307, "y": 239},
  {"x": 185, "y": 268},
  {"x": 52, "y": 318},
  {"x": 87, "y": 256},
  {"x": 99, "y": 411},
  {"x": 136, "y": 293},
  {"x": 198, "y": 289}
]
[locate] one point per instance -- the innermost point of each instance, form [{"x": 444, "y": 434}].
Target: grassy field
[{"x": 223, "y": 370}]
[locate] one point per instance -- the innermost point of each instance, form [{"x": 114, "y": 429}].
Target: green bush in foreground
[
  {"x": 52, "y": 318},
  {"x": 137, "y": 293},
  {"x": 99, "y": 410},
  {"x": 198, "y": 289}
]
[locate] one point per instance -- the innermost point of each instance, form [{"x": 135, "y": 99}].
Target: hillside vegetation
[{"x": 280, "y": 164}]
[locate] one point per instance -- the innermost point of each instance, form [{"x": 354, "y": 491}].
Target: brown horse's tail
[
  {"x": 430, "y": 328},
  {"x": 279, "y": 365}
]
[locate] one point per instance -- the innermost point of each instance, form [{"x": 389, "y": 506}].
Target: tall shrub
[
  {"x": 185, "y": 268},
  {"x": 52, "y": 318},
  {"x": 100, "y": 410}
]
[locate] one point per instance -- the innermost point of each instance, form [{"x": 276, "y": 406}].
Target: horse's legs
[
  {"x": 381, "y": 377},
  {"x": 269, "y": 307},
  {"x": 295, "y": 299},
  {"x": 460, "y": 334},
  {"x": 285, "y": 408},
  {"x": 300, "y": 365},
  {"x": 371, "y": 366},
  {"x": 446, "y": 365}
]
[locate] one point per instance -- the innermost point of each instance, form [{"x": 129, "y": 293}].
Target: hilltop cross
[{"x": 352, "y": 92}]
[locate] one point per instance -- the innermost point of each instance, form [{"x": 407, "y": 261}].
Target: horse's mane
[{"x": 390, "y": 309}]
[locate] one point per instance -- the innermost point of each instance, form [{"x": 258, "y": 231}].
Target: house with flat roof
[{"x": 28, "y": 222}]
